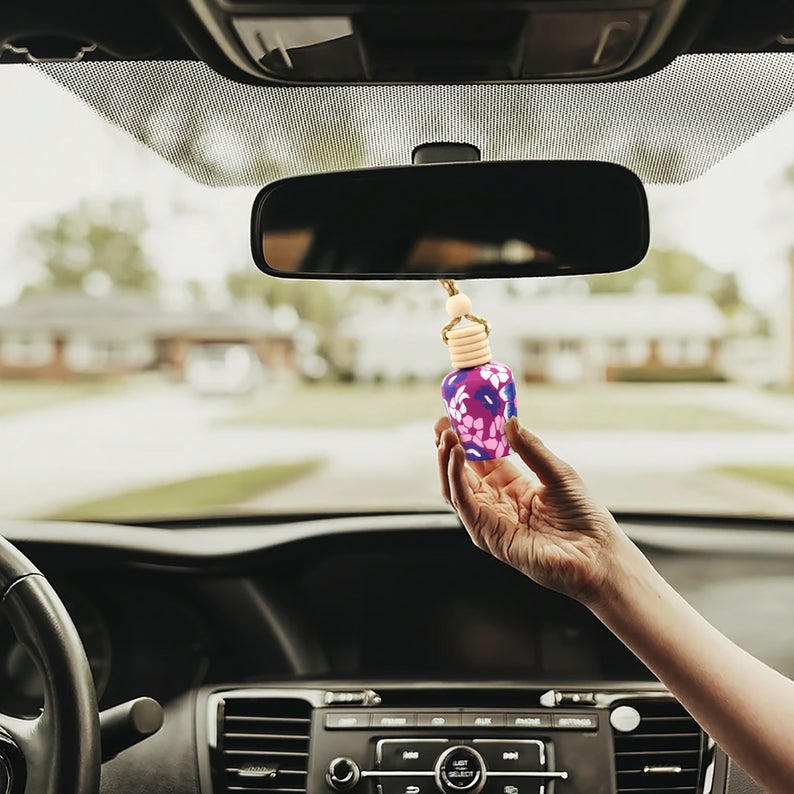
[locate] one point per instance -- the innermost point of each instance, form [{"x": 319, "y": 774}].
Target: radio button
[
  {"x": 347, "y": 721},
  {"x": 343, "y": 773},
  {"x": 407, "y": 785},
  {"x": 483, "y": 720},
  {"x": 410, "y": 755},
  {"x": 514, "y": 785},
  {"x": 393, "y": 720},
  {"x": 529, "y": 721},
  {"x": 515, "y": 756},
  {"x": 460, "y": 769},
  {"x": 576, "y": 722},
  {"x": 445, "y": 719}
]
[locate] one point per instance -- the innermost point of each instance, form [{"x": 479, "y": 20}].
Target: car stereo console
[{"x": 387, "y": 740}]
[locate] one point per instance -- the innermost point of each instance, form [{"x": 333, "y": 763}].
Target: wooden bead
[{"x": 458, "y": 305}]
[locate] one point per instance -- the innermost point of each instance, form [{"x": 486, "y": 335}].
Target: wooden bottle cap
[{"x": 468, "y": 346}]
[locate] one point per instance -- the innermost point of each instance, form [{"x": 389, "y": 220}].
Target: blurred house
[
  {"x": 787, "y": 325},
  {"x": 558, "y": 338},
  {"x": 392, "y": 342},
  {"x": 244, "y": 326},
  {"x": 753, "y": 360},
  {"x": 69, "y": 334},
  {"x": 616, "y": 337}
]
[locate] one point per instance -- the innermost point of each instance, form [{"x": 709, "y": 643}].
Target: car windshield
[{"x": 149, "y": 371}]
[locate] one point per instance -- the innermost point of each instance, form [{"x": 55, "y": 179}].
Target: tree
[
  {"x": 323, "y": 304},
  {"x": 94, "y": 245},
  {"x": 221, "y": 133},
  {"x": 317, "y": 302},
  {"x": 197, "y": 291},
  {"x": 674, "y": 271}
]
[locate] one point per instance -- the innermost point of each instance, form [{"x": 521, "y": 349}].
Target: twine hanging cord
[{"x": 452, "y": 289}]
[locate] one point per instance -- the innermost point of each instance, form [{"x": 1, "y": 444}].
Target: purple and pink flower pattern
[{"x": 479, "y": 401}]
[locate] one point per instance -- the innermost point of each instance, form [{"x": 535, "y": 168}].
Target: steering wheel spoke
[
  {"x": 22, "y": 731},
  {"x": 20, "y": 744}
]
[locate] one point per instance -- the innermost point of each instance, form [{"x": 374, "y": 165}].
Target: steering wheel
[{"x": 59, "y": 751}]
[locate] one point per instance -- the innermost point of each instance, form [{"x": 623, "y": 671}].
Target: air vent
[
  {"x": 662, "y": 754},
  {"x": 263, "y": 745}
]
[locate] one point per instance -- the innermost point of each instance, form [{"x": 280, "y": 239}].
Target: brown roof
[{"x": 127, "y": 314}]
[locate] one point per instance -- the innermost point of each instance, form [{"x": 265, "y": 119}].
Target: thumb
[{"x": 548, "y": 468}]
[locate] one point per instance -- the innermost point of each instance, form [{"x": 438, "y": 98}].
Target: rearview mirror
[{"x": 458, "y": 220}]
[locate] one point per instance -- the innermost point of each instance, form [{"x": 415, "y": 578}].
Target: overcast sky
[{"x": 55, "y": 151}]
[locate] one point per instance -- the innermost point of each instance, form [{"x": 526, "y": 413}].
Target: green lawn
[
  {"x": 335, "y": 405},
  {"x": 612, "y": 407},
  {"x": 28, "y": 395},
  {"x": 779, "y": 476},
  {"x": 624, "y": 407},
  {"x": 214, "y": 494}
]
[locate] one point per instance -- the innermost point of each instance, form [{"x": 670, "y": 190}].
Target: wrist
[{"x": 627, "y": 574}]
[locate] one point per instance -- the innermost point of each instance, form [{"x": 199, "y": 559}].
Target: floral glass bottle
[{"x": 479, "y": 394}]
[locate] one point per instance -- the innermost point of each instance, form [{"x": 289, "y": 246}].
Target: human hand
[{"x": 551, "y": 530}]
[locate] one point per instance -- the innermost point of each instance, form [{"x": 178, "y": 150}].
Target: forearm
[{"x": 745, "y": 706}]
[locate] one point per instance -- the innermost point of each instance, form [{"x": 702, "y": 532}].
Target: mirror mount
[{"x": 432, "y": 153}]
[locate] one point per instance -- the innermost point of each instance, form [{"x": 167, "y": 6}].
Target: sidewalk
[
  {"x": 64, "y": 455},
  {"x": 752, "y": 403}
]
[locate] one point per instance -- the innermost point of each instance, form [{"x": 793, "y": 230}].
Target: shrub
[{"x": 669, "y": 375}]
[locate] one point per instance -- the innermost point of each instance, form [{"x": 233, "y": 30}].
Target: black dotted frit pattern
[{"x": 668, "y": 127}]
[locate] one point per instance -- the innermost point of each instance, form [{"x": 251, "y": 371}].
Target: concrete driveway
[
  {"x": 626, "y": 470},
  {"x": 64, "y": 455}
]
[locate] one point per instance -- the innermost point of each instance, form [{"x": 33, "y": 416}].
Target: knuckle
[{"x": 566, "y": 472}]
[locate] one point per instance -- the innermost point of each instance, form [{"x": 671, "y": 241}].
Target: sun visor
[{"x": 480, "y": 41}]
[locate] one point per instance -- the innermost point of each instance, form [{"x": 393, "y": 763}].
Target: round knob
[
  {"x": 624, "y": 719},
  {"x": 343, "y": 774},
  {"x": 460, "y": 769}
]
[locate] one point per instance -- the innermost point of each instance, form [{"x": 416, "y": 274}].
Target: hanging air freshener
[{"x": 479, "y": 394}]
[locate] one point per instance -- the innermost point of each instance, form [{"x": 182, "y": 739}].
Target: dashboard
[
  {"x": 140, "y": 637},
  {"x": 421, "y": 740},
  {"x": 443, "y": 613},
  {"x": 386, "y": 655}
]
